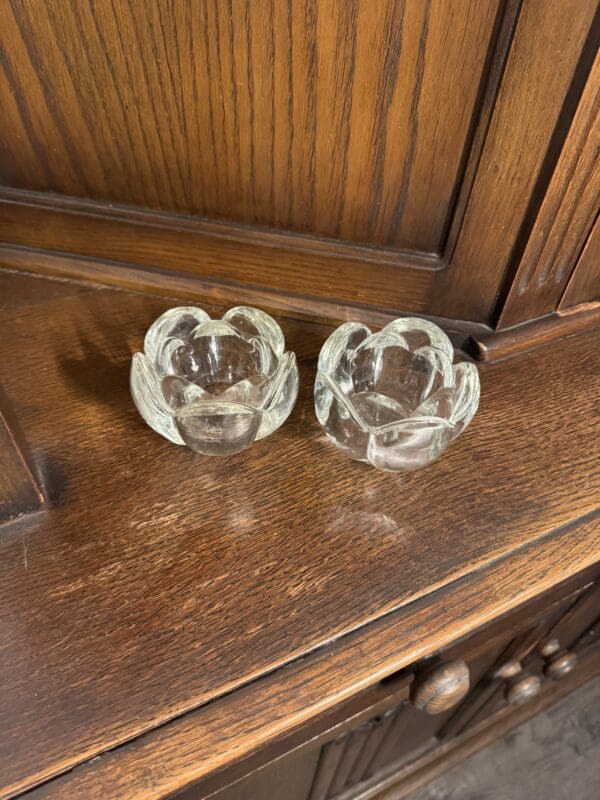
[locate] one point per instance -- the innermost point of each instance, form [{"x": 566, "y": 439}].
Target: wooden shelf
[{"x": 154, "y": 582}]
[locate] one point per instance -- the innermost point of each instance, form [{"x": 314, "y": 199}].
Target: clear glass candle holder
[
  {"x": 214, "y": 385},
  {"x": 394, "y": 399}
]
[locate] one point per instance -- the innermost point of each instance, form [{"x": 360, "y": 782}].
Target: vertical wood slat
[
  {"x": 361, "y": 769},
  {"x": 565, "y": 218},
  {"x": 354, "y": 744},
  {"x": 326, "y": 769},
  {"x": 20, "y": 492},
  {"x": 392, "y": 734},
  {"x": 347, "y": 760}
]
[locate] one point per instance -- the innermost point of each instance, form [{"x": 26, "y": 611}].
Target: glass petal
[
  {"x": 281, "y": 397},
  {"x": 442, "y": 375},
  {"x": 420, "y": 333},
  {"x": 219, "y": 361},
  {"x": 180, "y": 392},
  {"x": 266, "y": 359},
  {"x": 408, "y": 446},
  {"x": 384, "y": 338},
  {"x": 376, "y": 409},
  {"x": 339, "y": 418},
  {"x": 176, "y": 323},
  {"x": 176, "y": 357},
  {"x": 396, "y": 373},
  {"x": 213, "y": 327},
  {"x": 440, "y": 404},
  {"x": 337, "y": 352},
  {"x": 148, "y": 398},
  {"x": 250, "y": 391},
  {"x": 251, "y": 322},
  {"x": 466, "y": 394},
  {"x": 217, "y": 427}
]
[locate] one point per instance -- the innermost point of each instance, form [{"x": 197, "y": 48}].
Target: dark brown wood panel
[
  {"x": 163, "y": 580},
  {"x": 491, "y": 346},
  {"x": 343, "y": 118}
]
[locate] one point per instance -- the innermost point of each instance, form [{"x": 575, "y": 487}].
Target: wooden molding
[
  {"x": 499, "y": 344},
  {"x": 442, "y": 758},
  {"x": 182, "y": 285}
]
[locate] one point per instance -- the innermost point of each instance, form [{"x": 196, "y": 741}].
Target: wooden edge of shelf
[
  {"x": 500, "y": 344},
  {"x": 228, "y": 733}
]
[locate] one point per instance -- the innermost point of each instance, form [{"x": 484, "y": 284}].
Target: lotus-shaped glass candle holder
[
  {"x": 214, "y": 385},
  {"x": 394, "y": 398}
]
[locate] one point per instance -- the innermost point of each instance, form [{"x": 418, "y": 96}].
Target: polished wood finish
[
  {"x": 165, "y": 537},
  {"x": 434, "y": 763},
  {"x": 252, "y": 627},
  {"x": 187, "y": 287},
  {"x": 550, "y": 648},
  {"x": 441, "y": 688},
  {"x": 429, "y": 220},
  {"x": 20, "y": 492},
  {"x": 166, "y": 759}
]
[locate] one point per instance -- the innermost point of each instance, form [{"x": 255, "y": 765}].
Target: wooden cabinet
[
  {"x": 509, "y": 663},
  {"x": 276, "y": 626},
  {"x": 432, "y": 157}
]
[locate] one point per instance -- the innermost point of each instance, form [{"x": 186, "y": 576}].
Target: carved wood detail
[{"x": 565, "y": 218}]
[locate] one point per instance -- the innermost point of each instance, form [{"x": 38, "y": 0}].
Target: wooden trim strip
[
  {"x": 200, "y": 744},
  {"x": 189, "y": 286},
  {"x": 493, "y": 346},
  {"x": 215, "y": 229}
]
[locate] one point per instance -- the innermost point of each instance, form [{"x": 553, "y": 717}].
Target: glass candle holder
[
  {"x": 394, "y": 399},
  {"x": 214, "y": 385}
]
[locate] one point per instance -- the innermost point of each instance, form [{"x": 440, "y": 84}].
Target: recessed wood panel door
[
  {"x": 343, "y": 118},
  {"x": 387, "y": 153}
]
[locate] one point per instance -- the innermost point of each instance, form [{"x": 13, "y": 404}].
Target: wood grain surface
[
  {"x": 228, "y": 734},
  {"x": 500, "y": 344},
  {"x": 158, "y": 581},
  {"x": 389, "y": 154},
  {"x": 342, "y": 118}
]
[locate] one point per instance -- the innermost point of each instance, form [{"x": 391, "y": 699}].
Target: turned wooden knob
[
  {"x": 523, "y": 689},
  {"x": 510, "y": 669},
  {"x": 560, "y": 665},
  {"x": 441, "y": 688},
  {"x": 550, "y": 647}
]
